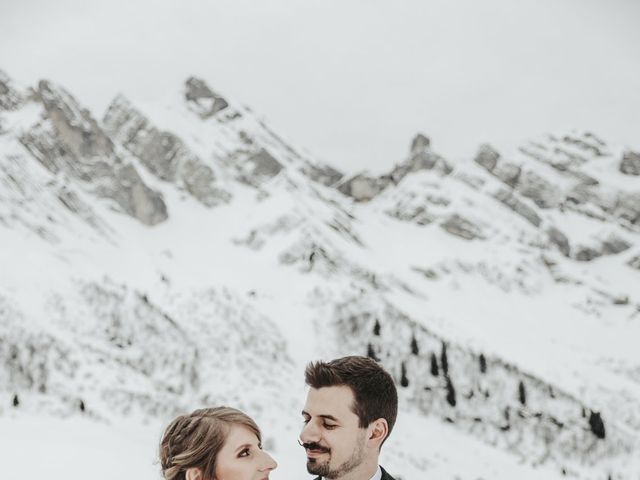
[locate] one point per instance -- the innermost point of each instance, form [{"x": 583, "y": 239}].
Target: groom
[{"x": 349, "y": 413}]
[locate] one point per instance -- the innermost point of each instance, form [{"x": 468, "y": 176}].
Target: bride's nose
[{"x": 268, "y": 462}]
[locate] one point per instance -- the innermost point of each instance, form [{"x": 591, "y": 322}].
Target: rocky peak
[
  {"x": 69, "y": 140},
  {"x": 74, "y": 124},
  {"x": 630, "y": 164},
  {"x": 163, "y": 153},
  {"x": 363, "y": 188},
  {"x": 420, "y": 143},
  {"x": 487, "y": 156},
  {"x": 204, "y": 101}
]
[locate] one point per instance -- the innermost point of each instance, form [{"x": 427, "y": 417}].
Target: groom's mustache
[{"x": 314, "y": 446}]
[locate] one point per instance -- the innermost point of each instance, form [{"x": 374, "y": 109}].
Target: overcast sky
[{"x": 352, "y": 81}]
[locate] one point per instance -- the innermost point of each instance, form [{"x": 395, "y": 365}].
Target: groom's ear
[
  {"x": 379, "y": 429},
  {"x": 193, "y": 474}
]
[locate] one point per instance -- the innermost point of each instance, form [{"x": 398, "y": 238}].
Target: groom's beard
[{"x": 323, "y": 467}]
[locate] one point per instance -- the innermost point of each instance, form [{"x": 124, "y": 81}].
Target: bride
[{"x": 214, "y": 443}]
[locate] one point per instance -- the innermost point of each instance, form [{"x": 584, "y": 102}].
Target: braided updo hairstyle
[{"x": 194, "y": 440}]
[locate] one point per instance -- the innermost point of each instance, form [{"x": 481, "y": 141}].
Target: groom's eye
[{"x": 329, "y": 426}]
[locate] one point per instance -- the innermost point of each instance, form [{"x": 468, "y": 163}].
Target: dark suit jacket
[{"x": 385, "y": 475}]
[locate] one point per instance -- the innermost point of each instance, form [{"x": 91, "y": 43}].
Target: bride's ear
[{"x": 193, "y": 474}]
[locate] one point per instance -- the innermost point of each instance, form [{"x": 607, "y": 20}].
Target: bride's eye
[{"x": 244, "y": 453}]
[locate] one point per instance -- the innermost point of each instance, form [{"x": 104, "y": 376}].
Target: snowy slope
[{"x": 181, "y": 254}]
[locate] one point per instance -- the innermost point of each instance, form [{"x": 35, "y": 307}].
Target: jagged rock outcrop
[
  {"x": 627, "y": 207},
  {"x": 540, "y": 190},
  {"x": 75, "y": 126},
  {"x": 521, "y": 208},
  {"x": 420, "y": 143},
  {"x": 462, "y": 227},
  {"x": 630, "y": 164},
  {"x": 363, "y": 187},
  {"x": 10, "y": 98},
  {"x": 162, "y": 152},
  {"x": 421, "y": 157},
  {"x": 324, "y": 174},
  {"x": 560, "y": 240},
  {"x": 524, "y": 181},
  {"x": 487, "y": 156},
  {"x": 70, "y": 141},
  {"x": 204, "y": 101},
  {"x": 634, "y": 262},
  {"x": 255, "y": 167},
  {"x": 614, "y": 245}
]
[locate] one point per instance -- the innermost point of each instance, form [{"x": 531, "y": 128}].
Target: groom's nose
[{"x": 310, "y": 433}]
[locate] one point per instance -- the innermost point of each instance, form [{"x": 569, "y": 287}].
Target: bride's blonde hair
[{"x": 194, "y": 440}]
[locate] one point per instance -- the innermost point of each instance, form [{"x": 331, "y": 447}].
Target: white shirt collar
[{"x": 378, "y": 474}]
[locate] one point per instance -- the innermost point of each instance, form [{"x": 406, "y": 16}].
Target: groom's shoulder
[{"x": 385, "y": 475}]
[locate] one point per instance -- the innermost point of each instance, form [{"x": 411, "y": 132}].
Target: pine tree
[
  {"x": 451, "y": 392},
  {"x": 483, "y": 364},
  {"x": 444, "y": 361},
  {"x": 81, "y": 406},
  {"x": 370, "y": 353},
  {"x": 404, "y": 381},
  {"x": 596, "y": 424},
  {"x": 376, "y": 328},
  {"x": 522, "y": 394},
  {"x": 16, "y": 400},
  {"x": 435, "y": 371},
  {"x": 414, "y": 346}
]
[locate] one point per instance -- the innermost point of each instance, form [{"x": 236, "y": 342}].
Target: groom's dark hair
[{"x": 373, "y": 388}]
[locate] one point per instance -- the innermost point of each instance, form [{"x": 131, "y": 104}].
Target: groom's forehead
[{"x": 329, "y": 401}]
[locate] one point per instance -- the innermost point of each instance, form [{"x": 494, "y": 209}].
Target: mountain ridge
[{"x": 149, "y": 225}]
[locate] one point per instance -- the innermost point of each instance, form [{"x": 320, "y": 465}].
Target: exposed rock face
[
  {"x": 508, "y": 172},
  {"x": 526, "y": 182},
  {"x": 324, "y": 174},
  {"x": 259, "y": 166},
  {"x": 461, "y": 227},
  {"x": 614, "y": 245},
  {"x": 420, "y": 143},
  {"x": 202, "y": 99},
  {"x": 421, "y": 157},
  {"x": 586, "y": 254},
  {"x": 163, "y": 153},
  {"x": 487, "y": 156},
  {"x": 74, "y": 125},
  {"x": 634, "y": 262},
  {"x": 69, "y": 140},
  {"x": 627, "y": 206},
  {"x": 540, "y": 190},
  {"x": 363, "y": 188},
  {"x": 518, "y": 206},
  {"x": 560, "y": 240},
  {"x": 611, "y": 246},
  {"x": 138, "y": 200},
  {"x": 630, "y": 164},
  {"x": 10, "y": 98},
  {"x": 490, "y": 159}
]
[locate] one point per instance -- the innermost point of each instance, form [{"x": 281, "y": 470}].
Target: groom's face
[{"x": 333, "y": 441}]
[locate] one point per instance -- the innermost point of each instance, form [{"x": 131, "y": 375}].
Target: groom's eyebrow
[{"x": 327, "y": 416}]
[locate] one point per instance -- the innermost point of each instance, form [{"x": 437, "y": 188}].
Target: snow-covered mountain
[{"x": 173, "y": 255}]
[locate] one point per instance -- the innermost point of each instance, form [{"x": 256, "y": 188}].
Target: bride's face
[{"x": 242, "y": 458}]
